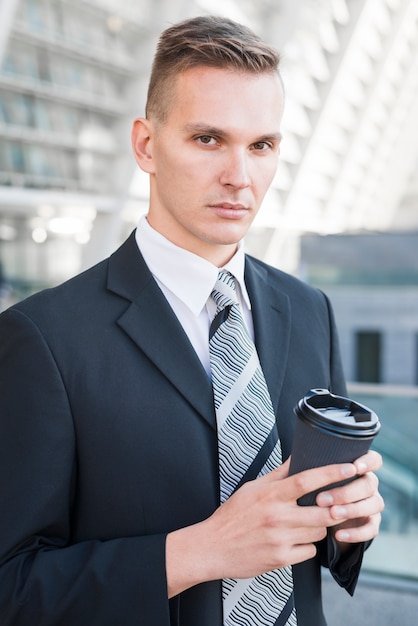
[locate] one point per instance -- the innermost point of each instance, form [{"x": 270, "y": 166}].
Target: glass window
[
  {"x": 68, "y": 165},
  {"x": 74, "y": 75},
  {"x": 42, "y": 115},
  {"x": 44, "y": 65},
  {"x": 41, "y": 161},
  {"x": 24, "y": 61},
  {"x": 4, "y": 112},
  {"x": 63, "y": 119},
  {"x": 368, "y": 353},
  {"x": 416, "y": 359},
  {"x": 97, "y": 33},
  {"x": 69, "y": 119},
  {"x": 22, "y": 112},
  {"x": 57, "y": 70},
  {"x": 4, "y": 162},
  {"x": 56, "y": 18},
  {"x": 30, "y": 65},
  {"x": 90, "y": 77},
  {"x": 94, "y": 171},
  {"x": 74, "y": 27},
  {"x": 110, "y": 87},
  {"x": 34, "y": 15},
  {"x": 15, "y": 157},
  {"x": 9, "y": 64}
]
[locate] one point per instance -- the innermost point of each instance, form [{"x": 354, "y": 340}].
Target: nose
[{"x": 235, "y": 171}]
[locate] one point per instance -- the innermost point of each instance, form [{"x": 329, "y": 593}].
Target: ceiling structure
[{"x": 73, "y": 75}]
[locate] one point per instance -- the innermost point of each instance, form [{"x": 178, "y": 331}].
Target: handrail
[{"x": 383, "y": 389}]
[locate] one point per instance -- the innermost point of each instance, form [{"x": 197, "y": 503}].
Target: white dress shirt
[{"x": 187, "y": 280}]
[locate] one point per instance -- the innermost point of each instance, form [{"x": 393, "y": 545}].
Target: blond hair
[{"x": 207, "y": 41}]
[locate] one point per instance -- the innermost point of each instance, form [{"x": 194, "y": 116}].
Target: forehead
[{"x": 224, "y": 98}]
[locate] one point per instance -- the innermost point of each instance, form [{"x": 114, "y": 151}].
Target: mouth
[{"x": 229, "y": 210}]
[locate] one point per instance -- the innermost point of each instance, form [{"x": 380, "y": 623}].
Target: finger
[
  {"x": 317, "y": 478},
  {"x": 364, "y": 508},
  {"x": 278, "y": 474},
  {"x": 303, "y": 553},
  {"x": 370, "y": 462},
  {"x": 365, "y": 530},
  {"x": 293, "y": 554},
  {"x": 309, "y": 534},
  {"x": 359, "y": 489}
]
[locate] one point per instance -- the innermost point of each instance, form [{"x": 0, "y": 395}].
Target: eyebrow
[{"x": 204, "y": 129}]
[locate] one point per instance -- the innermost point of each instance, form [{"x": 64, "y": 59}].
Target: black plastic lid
[{"x": 337, "y": 414}]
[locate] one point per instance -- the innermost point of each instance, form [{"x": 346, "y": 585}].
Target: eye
[
  {"x": 207, "y": 140},
  {"x": 262, "y": 146}
]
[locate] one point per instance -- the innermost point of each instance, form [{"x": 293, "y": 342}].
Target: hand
[
  {"x": 259, "y": 528},
  {"x": 356, "y": 507}
]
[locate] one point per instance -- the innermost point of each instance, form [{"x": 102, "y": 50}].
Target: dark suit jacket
[{"x": 108, "y": 442}]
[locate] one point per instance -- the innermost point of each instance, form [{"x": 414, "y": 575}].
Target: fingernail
[
  {"x": 361, "y": 466},
  {"x": 325, "y": 499},
  {"x": 340, "y": 512},
  {"x": 348, "y": 470},
  {"x": 343, "y": 535}
]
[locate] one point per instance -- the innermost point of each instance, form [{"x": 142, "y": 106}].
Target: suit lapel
[
  {"x": 154, "y": 328},
  {"x": 272, "y": 318}
]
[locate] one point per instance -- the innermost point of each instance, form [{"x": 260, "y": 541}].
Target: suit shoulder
[
  {"x": 291, "y": 285},
  {"x": 65, "y": 296},
  {"x": 87, "y": 298}
]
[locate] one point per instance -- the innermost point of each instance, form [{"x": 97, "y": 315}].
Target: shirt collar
[{"x": 190, "y": 277}]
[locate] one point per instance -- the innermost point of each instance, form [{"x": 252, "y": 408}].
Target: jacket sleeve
[
  {"x": 45, "y": 578},
  {"x": 338, "y": 385}
]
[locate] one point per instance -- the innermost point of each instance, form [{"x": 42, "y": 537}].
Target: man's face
[{"x": 213, "y": 159}]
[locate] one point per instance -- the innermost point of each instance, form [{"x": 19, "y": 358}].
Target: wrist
[{"x": 189, "y": 558}]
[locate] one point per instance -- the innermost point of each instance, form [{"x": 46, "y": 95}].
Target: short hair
[{"x": 206, "y": 41}]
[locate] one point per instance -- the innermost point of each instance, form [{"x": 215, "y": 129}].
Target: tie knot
[{"x": 224, "y": 292}]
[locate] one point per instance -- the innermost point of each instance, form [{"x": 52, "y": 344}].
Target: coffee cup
[{"x": 330, "y": 429}]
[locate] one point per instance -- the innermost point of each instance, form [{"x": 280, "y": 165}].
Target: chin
[{"x": 230, "y": 234}]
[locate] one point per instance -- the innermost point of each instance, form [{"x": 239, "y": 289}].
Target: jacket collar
[
  {"x": 154, "y": 328},
  {"x": 271, "y": 313}
]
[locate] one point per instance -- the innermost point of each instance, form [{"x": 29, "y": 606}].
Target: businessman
[{"x": 123, "y": 502}]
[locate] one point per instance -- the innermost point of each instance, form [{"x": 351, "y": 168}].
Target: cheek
[
  {"x": 192, "y": 178},
  {"x": 263, "y": 183},
  {"x": 180, "y": 168},
  {"x": 178, "y": 187},
  {"x": 269, "y": 175}
]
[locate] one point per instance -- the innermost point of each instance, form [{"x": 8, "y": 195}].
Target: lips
[
  {"x": 229, "y": 210},
  {"x": 230, "y": 206}
]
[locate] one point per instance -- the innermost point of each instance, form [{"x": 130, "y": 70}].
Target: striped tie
[{"x": 249, "y": 447}]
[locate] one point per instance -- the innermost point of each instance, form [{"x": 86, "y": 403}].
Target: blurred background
[{"x": 342, "y": 213}]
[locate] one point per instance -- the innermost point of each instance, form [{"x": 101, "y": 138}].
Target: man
[{"x": 109, "y": 442}]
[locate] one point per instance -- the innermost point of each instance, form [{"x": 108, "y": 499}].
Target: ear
[{"x": 142, "y": 143}]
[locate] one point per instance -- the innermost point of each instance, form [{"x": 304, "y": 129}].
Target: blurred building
[
  {"x": 73, "y": 75},
  {"x": 70, "y": 81},
  {"x": 372, "y": 280}
]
